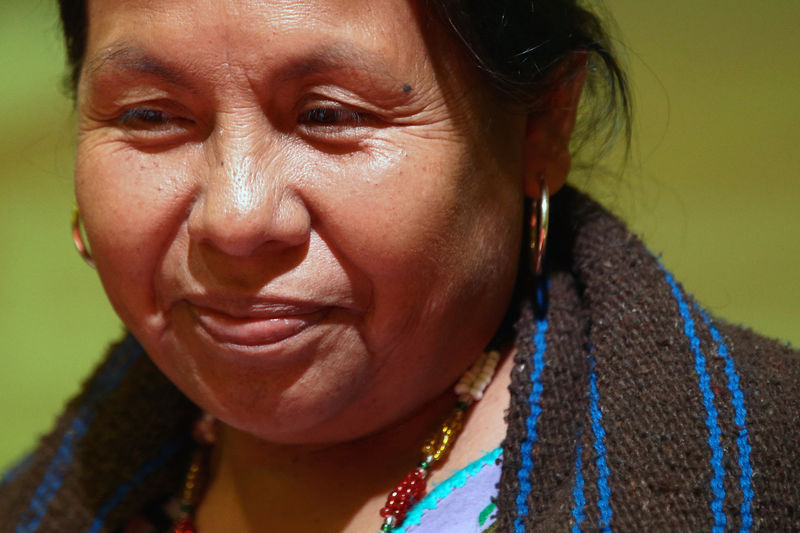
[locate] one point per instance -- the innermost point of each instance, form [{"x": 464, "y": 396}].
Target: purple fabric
[{"x": 453, "y": 507}]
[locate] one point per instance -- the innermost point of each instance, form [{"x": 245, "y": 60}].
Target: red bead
[
  {"x": 404, "y": 495},
  {"x": 183, "y": 525},
  {"x": 395, "y": 510},
  {"x": 417, "y": 484},
  {"x": 411, "y": 477}
]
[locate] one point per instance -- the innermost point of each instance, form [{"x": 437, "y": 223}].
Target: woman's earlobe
[{"x": 549, "y": 131}]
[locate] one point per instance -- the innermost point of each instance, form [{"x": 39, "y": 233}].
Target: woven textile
[{"x": 631, "y": 410}]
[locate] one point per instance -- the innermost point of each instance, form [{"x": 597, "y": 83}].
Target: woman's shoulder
[
  {"x": 766, "y": 416},
  {"x": 122, "y": 442},
  {"x": 633, "y": 406}
]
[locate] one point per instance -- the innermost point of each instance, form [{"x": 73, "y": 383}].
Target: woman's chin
[
  {"x": 288, "y": 398},
  {"x": 311, "y": 421}
]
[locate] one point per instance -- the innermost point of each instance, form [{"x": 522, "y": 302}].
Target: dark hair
[
  {"x": 525, "y": 48},
  {"x": 74, "y": 24}
]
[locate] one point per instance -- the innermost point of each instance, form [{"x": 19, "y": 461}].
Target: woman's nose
[{"x": 247, "y": 203}]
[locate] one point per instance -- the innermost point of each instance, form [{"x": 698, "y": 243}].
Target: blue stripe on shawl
[
  {"x": 15, "y": 470},
  {"x": 524, "y": 473},
  {"x": 714, "y": 431},
  {"x": 145, "y": 470},
  {"x": 118, "y": 364},
  {"x": 603, "y": 489},
  {"x": 578, "y": 497},
  {"x": 740, "y": 415}
]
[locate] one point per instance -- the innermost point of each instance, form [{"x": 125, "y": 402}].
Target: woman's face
[{"x": 308, "y": 212}]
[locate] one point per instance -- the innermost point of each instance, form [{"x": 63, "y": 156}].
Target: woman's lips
[{"x": 260, "y": 327}]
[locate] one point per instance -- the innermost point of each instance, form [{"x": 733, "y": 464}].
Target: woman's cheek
[
  {"x": 391, "y": 200},
  {"x": 131, "y": 205}
]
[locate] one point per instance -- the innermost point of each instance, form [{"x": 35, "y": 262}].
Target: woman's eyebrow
[
  {"x": 354, "y": 61},
  {"x": 336, "y": 56},
  {"x": 122, "y": 55},
  {"x": 360, "y": 62},
  {"x": 330, "y": 57}
]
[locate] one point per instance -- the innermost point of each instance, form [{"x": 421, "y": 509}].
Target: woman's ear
[{"x": 549, "y": 131}]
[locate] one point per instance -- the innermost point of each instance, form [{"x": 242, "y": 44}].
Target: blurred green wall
[{"x": 713, "y": 184}]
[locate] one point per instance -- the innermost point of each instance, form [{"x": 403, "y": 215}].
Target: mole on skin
[{"x": 406, "y": 88}]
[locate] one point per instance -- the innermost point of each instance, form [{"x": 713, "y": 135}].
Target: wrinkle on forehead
[{"x": 269, "y": 18}]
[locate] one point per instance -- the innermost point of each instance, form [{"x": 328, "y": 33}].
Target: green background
[{"x": 712, "y": 185}]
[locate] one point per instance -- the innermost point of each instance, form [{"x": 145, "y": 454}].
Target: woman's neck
[{"x": 260, "y": 486}]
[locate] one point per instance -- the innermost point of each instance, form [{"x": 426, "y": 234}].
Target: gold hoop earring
[
  {"x": 540, "y": 219},
  {"x": 77, "y": 237}
]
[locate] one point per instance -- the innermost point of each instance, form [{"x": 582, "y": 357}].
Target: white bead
[{"x": 473, "y": 383}]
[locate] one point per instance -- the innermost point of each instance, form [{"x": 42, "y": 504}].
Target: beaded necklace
[{"x": 411, "y": 489}]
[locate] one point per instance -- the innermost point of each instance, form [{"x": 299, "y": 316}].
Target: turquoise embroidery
[{"x": 443, "y": 490}]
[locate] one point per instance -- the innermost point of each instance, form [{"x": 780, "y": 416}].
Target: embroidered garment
[
  {"x": 631, "y": 409},
  {"x": 463, "y": 503}
]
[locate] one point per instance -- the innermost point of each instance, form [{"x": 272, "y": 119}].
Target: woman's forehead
[
  {"x": 302, "y": 37},
  {"x": 385, "y": 49},
  {"x": 381, "y": 26}
]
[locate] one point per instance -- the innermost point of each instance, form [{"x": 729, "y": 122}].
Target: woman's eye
[
  {"x": 339, "y": 126},
  {"x": 332, "y": 116},
  {"x": 143, "y": 118},
  {"x": 151, "y": 126}
]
